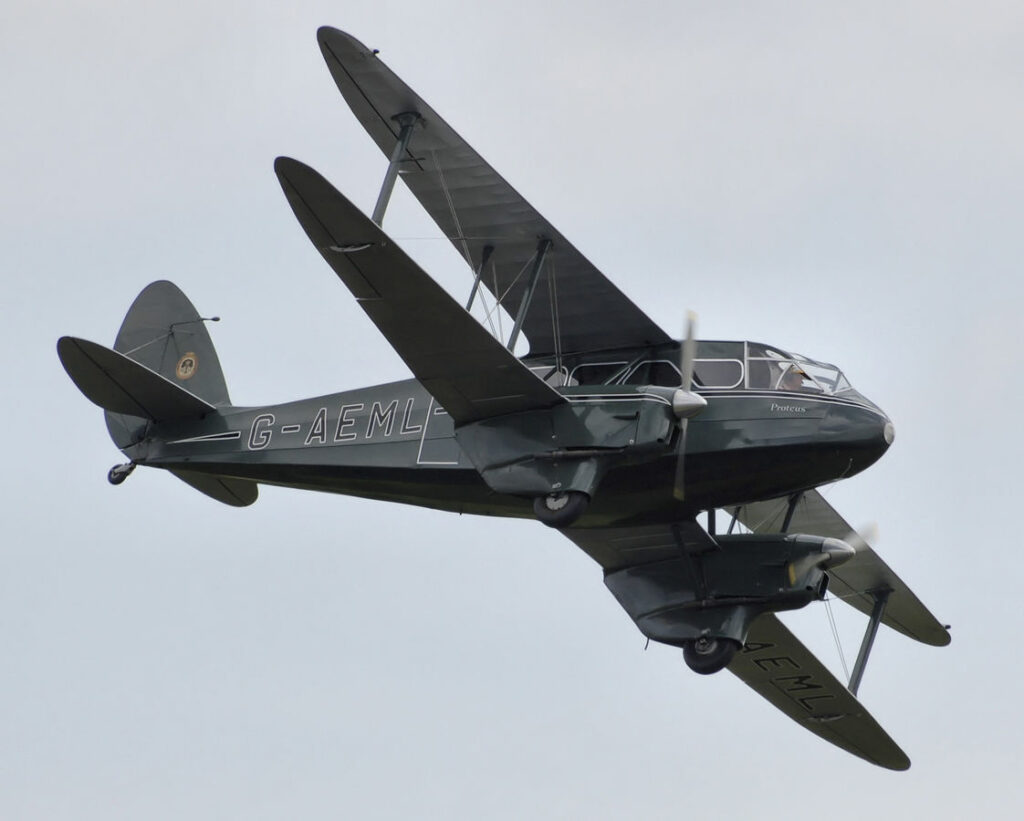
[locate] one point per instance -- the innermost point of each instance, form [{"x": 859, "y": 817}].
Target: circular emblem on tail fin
[{"x": 187, "y": 366}]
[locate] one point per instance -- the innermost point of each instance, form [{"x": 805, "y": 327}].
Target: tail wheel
[
  {"x": 709, "y": 655},
  {"x": 560, "y": 509},
  {"x": 118, "y": 473}
]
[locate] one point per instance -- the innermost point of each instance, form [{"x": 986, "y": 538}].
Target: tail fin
[
  {"x": 163, "y": 368},
  {"x": 164, "y": 332}
]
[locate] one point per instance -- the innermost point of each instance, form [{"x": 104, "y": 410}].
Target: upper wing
[
  {"x": 476, "y": 208},
  {"x": 781, "y": 669},
  {"x": 855, "y": 579},
  {"x": 470, "y": 373}
]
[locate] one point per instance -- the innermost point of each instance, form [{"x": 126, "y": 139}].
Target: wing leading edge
[
  {"x": 470, "y": 373},
  {"x": 574, "y": 307}
]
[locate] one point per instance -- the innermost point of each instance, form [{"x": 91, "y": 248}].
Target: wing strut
[
  {"x": 407, "y": 120},
  {"x": 880, "y": 597},
  {"x": 794, "y": 500},
  {"x": 531, "y": 286},
  {"x": 488, "y": 250}
]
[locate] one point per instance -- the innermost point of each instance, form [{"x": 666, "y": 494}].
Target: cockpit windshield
[{"x": 775, "y": 370}]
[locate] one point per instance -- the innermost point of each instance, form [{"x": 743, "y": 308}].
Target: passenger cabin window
[
  {"x": 555, "y": 377},
  {"x": 656, "y": 372},
  {"x": 717, "y": 373},
  {"x": 597, "y": 373}
]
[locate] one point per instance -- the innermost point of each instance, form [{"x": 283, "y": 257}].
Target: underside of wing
[
  {"x": 857, "y": 579},
  {"x": 574, "y": 307},
  {"x": 780, "y": 668},
  {"x": 470, "y": 373},
  {"x": 617, "y": 548},
  {"x": 676, "y": 582}
]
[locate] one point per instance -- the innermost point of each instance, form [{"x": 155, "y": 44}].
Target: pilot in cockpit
[{"x": 792, "y": 379}]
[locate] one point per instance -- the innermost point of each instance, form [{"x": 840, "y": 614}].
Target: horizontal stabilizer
[
  {"x": 469, "y": 372},
  {"x": 857, "y": 578},
  {"x": 121, "y": 385},
  {"x": 234, "y": 492},
  {"x": 775, "y": 664}
]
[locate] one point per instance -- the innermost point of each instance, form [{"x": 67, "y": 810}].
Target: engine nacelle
[{"x": 716, "y": 594}]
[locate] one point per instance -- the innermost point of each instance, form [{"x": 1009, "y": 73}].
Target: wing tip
[
  {"x": 897, "y": 760},
  {"x": 332, "y": 39},
  {"x": 295, "y": 174},
  {"x": 283, "y": 164}
]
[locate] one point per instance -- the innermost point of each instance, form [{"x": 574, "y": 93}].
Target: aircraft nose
[
  {"x": 881, "y": 433},
  {"x": 863, "y": 432}
]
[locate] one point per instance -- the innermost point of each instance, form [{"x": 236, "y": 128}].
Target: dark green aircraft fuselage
[{"x": 393, "y": 442}]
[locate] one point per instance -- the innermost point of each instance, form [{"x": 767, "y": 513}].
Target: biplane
[{"x": 688, "y": 470}]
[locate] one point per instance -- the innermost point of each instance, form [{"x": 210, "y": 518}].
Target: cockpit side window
[
  {"x": 795, "y": 378},
  {"x": 775, "y": 370},
  {"x": 759, "y": 374}
]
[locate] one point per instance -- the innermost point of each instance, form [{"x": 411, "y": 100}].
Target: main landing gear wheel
[
  {"x": 560, "y": 509},
  {"x": 707, "y": 655}
]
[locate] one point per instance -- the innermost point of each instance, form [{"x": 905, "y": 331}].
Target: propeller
[
  {"x": 859, "y": 540},
  {"x": 685, "y": 403},
  {"x": 833, "y": 552}
]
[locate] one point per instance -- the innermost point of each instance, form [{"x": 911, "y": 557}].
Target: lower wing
[{"x": 775, "y": 664}]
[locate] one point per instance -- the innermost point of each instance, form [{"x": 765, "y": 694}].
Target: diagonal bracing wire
[
  {"x": 835, "y": 635},
  {"x": 462, "y": 240}
]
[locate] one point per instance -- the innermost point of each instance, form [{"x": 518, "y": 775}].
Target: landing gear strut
[
  {"x": 118, "y": 473},
  {"x": 560, "y": 509},
  {"x": 709, "y": 655}
]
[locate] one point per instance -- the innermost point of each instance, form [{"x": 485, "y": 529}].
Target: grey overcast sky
[{"x": 840, "y": 179}]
